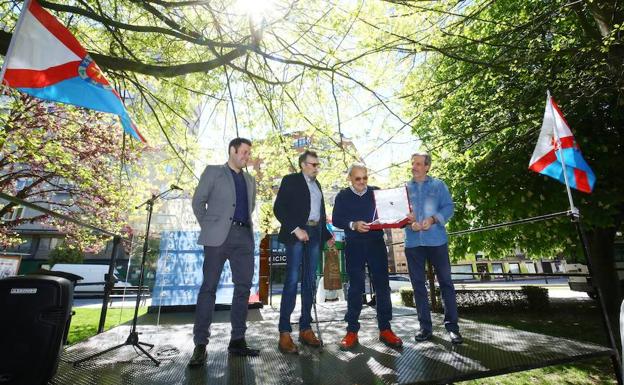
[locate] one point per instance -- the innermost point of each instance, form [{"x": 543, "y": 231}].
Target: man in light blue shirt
[{"x": 426, "y": 239}]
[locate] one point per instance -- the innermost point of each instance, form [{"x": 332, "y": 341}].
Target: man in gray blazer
[{"x": 223, "y": 203}]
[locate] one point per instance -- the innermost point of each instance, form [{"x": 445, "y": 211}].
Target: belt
[
  {"x": 312, "y": 223},
  {"x": 240, "y": 224}
]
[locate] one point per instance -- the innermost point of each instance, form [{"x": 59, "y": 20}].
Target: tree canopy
[
  {"x": 468, "y": 79},
  {"x": 478, "y": 102},
  {"x": 65, "y": 159}
]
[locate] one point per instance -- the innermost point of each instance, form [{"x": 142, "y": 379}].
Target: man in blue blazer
[
  {"x": 300, "y": 208},
  {"x": 223, "y": 204}
]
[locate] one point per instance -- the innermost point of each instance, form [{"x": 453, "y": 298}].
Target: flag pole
[
  {"x": 20, "y": 20},
  {"x": 576, "y": 218}
]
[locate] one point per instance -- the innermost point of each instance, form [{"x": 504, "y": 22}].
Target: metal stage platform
[{"x": 487, "y": 351}]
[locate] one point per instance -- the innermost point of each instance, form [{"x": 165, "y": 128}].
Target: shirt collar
[
  {"x": 358, "y": 193},
  {"x": 427, "y": 179},
  {"x": 307, "y": 178},
  {"x": 232, "y": 170}
]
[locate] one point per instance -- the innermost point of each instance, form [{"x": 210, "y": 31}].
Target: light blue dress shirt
[{"x": 315, "y": 199}]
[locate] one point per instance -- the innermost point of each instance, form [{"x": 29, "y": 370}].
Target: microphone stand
[{"x": 133, "y": 337}]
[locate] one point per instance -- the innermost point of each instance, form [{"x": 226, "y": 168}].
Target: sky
[{"x": 217, "y": 129}]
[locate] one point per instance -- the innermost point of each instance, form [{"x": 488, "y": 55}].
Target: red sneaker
[
  {"x": 349, "y": 341},
  {"x": 390, "y": 339}
]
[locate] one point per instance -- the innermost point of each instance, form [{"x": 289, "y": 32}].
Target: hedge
[{"x": 527, "y": 297}]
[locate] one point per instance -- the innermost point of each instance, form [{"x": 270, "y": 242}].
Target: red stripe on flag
[
  {"x": 56, "y": 28},
  {"x": 22, "y": 78},
  {"x": 544, "y": 161},
  {"x": 567, "y": 142},
  {"x": 582, "y": 184},
  {"x": 136, "y": 131}
]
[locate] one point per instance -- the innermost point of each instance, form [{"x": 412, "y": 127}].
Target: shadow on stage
[{"x": 488, "y": 350}]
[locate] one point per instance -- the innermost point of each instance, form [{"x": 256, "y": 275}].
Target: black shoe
[
  {"x": 456, "y": 338},
  {"x": 199, "y": 356},
  {"x": 423, "y": 335},
  {"x": 239, "y": 348}
]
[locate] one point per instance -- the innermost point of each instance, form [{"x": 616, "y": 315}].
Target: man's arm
[
  {"x": 446, "y": 207},
  {"x": 339, "y": 217},
  {"x": 253, "y": 193},
  {"x": 281, "y": 207},
  {"x": 202, "y": 193}
]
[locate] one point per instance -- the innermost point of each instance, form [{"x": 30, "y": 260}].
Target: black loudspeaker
[{"x": 34, "y": 314}]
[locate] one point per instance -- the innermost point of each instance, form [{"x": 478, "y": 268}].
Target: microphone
[{"x": 174, "y": 187}]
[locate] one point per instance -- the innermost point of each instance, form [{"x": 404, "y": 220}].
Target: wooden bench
[{"x": 129, "y": 293}]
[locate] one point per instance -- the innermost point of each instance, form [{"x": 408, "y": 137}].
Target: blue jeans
[
  {"x": 357, "y": 254},
  {"x": 439, "y": 258},
  {"x": 298, "y": 254}
]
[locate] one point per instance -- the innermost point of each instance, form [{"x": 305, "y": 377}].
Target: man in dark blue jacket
[
  {"x": 354, "y": 208},
  {"x": 300, "y": 208}
]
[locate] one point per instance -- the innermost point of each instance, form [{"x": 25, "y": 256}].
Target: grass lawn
[
  {"x": 568, "y": 318},
  {"x": 85, "y": 322}
]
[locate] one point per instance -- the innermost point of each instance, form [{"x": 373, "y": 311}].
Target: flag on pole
[
  {"x": 46, "y": 61},
  {"x": 556, "y": 143}
]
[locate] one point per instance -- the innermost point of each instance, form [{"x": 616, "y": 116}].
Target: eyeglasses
[
  {"x": 314, "y": 164},
  {"x": 360, "y": 178}
]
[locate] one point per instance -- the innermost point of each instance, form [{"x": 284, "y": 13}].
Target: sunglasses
[
  {"x": 314, "y": 164},
  {"x": 360, "y": 178}
]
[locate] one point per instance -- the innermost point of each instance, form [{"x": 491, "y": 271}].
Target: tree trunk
[{"x": 603, "y": 265}]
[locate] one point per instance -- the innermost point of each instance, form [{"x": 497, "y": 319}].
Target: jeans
[
  {"x": 439, "y": 258},
  {"x": 304, "y": 255}
]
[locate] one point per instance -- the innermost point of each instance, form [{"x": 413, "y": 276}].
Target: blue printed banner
[{"x": 179, "y": 271}]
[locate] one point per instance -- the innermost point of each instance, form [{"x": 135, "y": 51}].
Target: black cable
[{"x": 513, "y": 223}]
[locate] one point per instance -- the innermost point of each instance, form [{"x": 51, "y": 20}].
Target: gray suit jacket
[{"x": 214, "y": 202}]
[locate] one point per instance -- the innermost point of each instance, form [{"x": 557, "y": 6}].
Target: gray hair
[
  {"x": 425, "y": 155},
  {"x": 354, "y": 166}
]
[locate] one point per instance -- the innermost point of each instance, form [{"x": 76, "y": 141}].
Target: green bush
[
  {"x": 527, "y": 297},
  {"x": 65, "y": 254},
  {"x": 407, "y": 296},
  {"x": 537, "y": 297}
]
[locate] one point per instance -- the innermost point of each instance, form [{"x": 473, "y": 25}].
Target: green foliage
[
  {"x": 65, "y": 254},
  {"x": 478, "y": 103}
]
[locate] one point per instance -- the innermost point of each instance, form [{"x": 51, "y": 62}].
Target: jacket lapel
[{"x": 230, "y": 179}]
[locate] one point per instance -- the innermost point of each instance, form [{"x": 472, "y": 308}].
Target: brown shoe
[
  {"x": 307, "y": 337},
  {"x": 286, "y": 344}
]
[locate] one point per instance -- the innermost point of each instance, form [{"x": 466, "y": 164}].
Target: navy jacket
[
  {"x": 350, "y": 207},
  {"x": 292, "y": 208}
]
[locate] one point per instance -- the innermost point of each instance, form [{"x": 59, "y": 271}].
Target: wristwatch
[{"x": 352, "y": 225}]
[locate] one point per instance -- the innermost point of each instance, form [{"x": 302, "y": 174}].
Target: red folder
[{"x": 395, "y": 225}]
